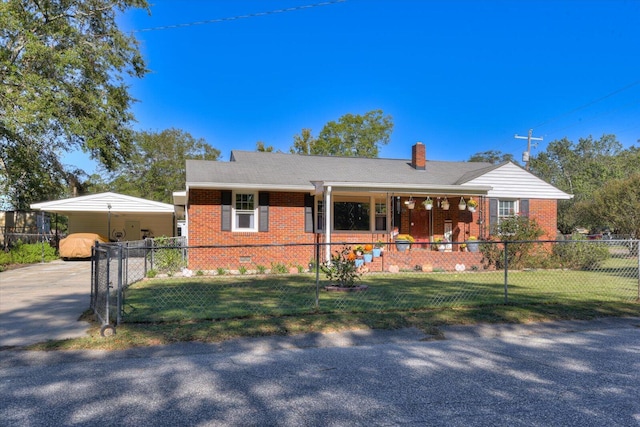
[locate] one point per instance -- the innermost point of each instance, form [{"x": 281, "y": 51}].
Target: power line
[
  {"x": 588, "y": 104},
  {"x": 238, "y": 17},
  {"x": 592, "y": 117}
]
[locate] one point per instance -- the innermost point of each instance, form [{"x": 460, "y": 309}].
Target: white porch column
[{"x": 327, "y": 222}]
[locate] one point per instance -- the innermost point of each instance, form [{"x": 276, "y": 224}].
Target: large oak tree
[
  {"x": 63, "y": 65},
  {"x": 156, "y": 168}
]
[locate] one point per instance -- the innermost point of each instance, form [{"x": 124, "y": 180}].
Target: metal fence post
[
  {"x": 638, "y": 253},
  {"x": 93, "y": 276},
  {"x": 108, "y": 288},
  {"x": 119, "y": 294},
  {"x": 506, "y": 272}
]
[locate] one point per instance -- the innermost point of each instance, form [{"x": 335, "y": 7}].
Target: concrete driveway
[{"x": 44, "y": 301}]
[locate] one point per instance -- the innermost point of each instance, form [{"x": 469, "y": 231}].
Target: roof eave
[
  {"x": 415, "y": 189},
  {"x": 245, "y": 186}
]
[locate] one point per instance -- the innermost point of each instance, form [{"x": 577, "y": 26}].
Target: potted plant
[
  {"x": 472, "y": 244},
  {"x": 445, "y": 204},
  {"x": 377, "y": 249},
  {"x": 359, "y": 250},
  {"x": 403, "y": 242},
  {"x": 462, "y": 205},
  {"x": 410, "y": 203},
  {"x": 428, "y": 203},
  {"x": 440, "y": 244},
  {"x": 472, "y": 205}
]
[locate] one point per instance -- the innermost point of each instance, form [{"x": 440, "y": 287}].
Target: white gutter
[
  {"x": 415, "y": 189},
  {"x": 247, "y": 186}
]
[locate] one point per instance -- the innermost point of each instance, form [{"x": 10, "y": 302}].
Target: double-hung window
[
  {"x": 507, "y": 209},
  {"x": 381, "y": 215},
  {"x": 245, "y": 212}
]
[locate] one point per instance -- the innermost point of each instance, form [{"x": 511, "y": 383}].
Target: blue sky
[{"x": 461, "y": 76}]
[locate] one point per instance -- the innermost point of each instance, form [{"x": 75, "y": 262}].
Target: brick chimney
[{"x": 419, "y": 156}]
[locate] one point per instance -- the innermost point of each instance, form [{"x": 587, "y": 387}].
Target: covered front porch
[{"x": 434, "y": 219}]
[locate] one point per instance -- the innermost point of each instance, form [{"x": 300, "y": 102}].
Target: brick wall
[{"x": 286, "y": 226}]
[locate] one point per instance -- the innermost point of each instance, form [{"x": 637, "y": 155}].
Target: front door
[
  {"x": 421, "y": 223},
  {"x": 132, "y": 230}
]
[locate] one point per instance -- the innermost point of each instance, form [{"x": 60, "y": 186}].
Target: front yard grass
[{"x": 213, "y": 309}]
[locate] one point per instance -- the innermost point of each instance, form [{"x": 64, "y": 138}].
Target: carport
[{"x": 116, "y": 216}]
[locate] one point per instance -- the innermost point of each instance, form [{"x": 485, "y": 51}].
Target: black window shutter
[
  {"x": 524, "y": 207},
  {"x": 225, "y": 197},
  {"x": 493, "y": 215},
  {"x": 263, "y": 211},
  {"x": 308, "y": 213}
]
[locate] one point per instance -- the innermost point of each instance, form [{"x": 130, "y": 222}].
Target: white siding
[{"x": 511, "y": 181}]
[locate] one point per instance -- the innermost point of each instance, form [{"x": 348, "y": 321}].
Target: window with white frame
[
  {"x": 245, "y": 212},
  {"x": 320, "y": 216},
  {"x": 507, "y": 209},
  {"x": 352, "y": 213},
  {"x": 381, "y": 215}
]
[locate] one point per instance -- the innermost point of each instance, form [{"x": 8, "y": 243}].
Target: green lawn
[{"x": 244, "y": 296}]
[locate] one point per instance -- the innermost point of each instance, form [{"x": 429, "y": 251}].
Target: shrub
[
  {"x": 580, "y": 254},
  {"x": 340, "y": 269},
  {"x": 520, "y": 253},
  {"x": 261, "y": 269},
  {"x": 278, "y": 268},
  {"x": 242, "y": 269},
  {"x": 167, "y": 258},
  {"x": 221, "y": 271},
  {"x": 29, "y": 253}
]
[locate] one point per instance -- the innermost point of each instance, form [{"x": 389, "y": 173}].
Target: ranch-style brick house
[{"x": 262, "y": 198}]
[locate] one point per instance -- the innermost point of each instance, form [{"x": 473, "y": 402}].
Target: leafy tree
[
  {"x": 492, "y": 156},
  {"x": 616, "y": 205},
  {"x": 62, "y": 68},
  {"x": 262, "y": 148},
  {"x": 303, "y": 142},
  {"x": 157, "y": 166},
  {"x": 351, "y": 136},
  {"x": 581, "y": 169}
]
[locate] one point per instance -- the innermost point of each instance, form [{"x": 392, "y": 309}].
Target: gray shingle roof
[{"x": 280, "y": 169}]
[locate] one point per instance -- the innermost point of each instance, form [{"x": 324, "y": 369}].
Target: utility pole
[{"x": 529, "y": 138}]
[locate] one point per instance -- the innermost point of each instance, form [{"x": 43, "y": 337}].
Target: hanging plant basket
[{"x": 428, "y": 204}]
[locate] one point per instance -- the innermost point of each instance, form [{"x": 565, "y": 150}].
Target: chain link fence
[{"x": 162, "y": 280}]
